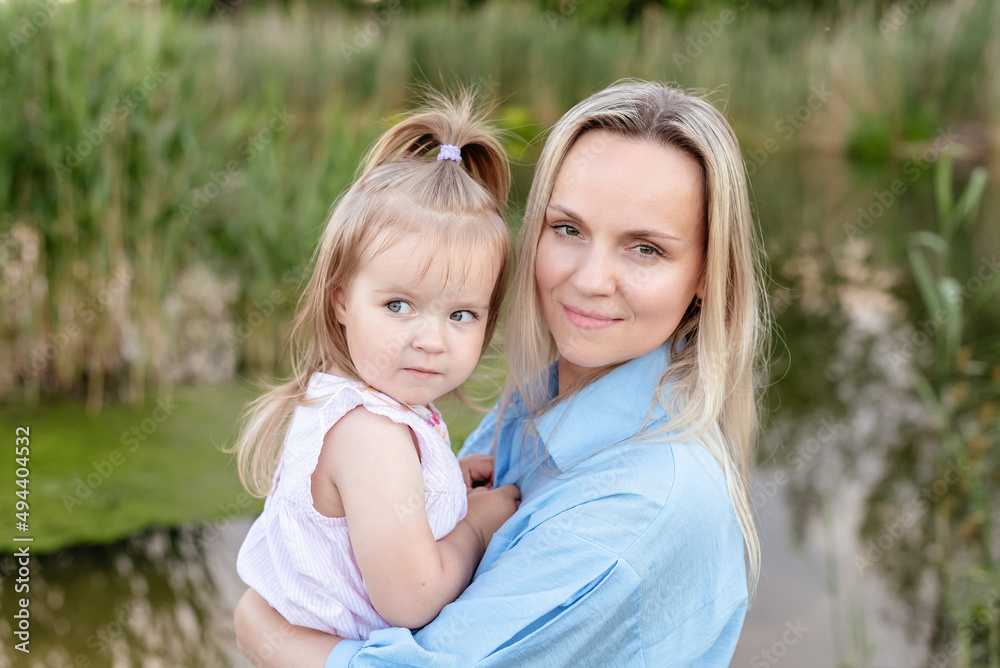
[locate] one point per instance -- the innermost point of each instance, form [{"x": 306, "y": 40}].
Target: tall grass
[
  {"x": 163, "y": 180},
  {"x": 961, "y": 390}
]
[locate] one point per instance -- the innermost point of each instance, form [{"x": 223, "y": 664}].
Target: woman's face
[{"x": 621, "y": 250}]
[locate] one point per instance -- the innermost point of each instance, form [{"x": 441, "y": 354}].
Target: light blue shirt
[{"x": 632, "y": 556}]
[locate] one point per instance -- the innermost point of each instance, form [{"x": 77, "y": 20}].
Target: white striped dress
[{"x": 302, "y": 561}]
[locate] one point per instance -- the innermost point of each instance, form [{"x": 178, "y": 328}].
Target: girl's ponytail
[{"x": 441, "y": 121}]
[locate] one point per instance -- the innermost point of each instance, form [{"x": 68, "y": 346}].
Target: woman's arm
[
  {"x": 269, "y": 641},
  {"x": 558, "y": 598},
  {"x": 537, "y": 585},
  {"x": 638, "y": 557},
  {"x": 373, "y": 464}
]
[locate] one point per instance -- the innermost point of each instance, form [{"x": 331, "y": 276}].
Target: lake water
[{"x": 841, "y": 584}]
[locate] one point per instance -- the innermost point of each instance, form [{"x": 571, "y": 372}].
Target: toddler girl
[{"x": 370, "y": 520}]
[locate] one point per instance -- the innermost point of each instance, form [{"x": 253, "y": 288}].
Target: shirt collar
[{"x": 613, "y": 408}]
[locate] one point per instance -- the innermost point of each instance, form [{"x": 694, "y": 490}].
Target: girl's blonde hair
[
  {"x": 456, "y": 207},
  {"x": 712, "y": 394}
]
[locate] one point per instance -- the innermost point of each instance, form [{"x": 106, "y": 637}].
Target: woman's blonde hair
[
  {"x": 712, "y": 394},
  {"x": 455, "y": 207}
]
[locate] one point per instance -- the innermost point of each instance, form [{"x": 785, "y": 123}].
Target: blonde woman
[{"x": 629, "y": 416}]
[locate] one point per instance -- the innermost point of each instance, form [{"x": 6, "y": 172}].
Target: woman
[{"x": 629, "y": 415}]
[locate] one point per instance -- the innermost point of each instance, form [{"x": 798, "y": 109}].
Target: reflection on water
[
  {"x": 161, "y": 598},
  {"x": 822, "y": 596},
  {"x": 855, "y": 491}
]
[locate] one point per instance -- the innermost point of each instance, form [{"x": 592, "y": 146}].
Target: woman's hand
[
  {"x": 477, "y": 471},
  {"x": 270, "y": 641},
  {"x": 489, "y": 509}
]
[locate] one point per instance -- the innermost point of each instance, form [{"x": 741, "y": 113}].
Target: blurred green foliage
[{"x": 593, "y": 11}]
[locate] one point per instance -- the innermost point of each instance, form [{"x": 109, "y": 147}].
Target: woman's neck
[{"x": 573, "y": 378}]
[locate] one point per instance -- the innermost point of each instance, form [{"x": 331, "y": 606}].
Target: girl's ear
[{"x": 340, "y": 305}]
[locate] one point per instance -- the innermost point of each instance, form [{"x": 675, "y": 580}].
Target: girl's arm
[{"x": 373, "y": 464}]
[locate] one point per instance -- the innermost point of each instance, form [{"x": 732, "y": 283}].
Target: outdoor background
[{"x": 165, "y": 169}]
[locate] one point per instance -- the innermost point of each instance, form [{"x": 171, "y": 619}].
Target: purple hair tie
[{"x": 449, "y": 152}]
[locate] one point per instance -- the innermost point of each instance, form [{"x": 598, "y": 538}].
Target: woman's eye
[
  {"x": 464, "y": 316},
  {"x": 399, "y": 306},
  {"x": 568, "y": 230},
  {"x": 648, "y": 250}
]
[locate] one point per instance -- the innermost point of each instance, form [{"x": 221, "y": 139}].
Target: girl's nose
[
  {"x": 595, "y": 274},
  {"x": 429, "y": 337}
]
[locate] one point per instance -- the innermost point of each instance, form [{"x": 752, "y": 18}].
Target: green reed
[{"x": 960, "y": 388}]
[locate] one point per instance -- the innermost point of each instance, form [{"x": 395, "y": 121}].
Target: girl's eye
[
  {"x": 399, "y": 306},
  {"x": 464, "y": 316},
  {"x": 566, "y": 229}
]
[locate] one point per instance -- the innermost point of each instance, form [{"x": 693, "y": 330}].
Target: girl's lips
[
  {"x": 421, "y": 373},
  {"x": 588, "y": 319}
]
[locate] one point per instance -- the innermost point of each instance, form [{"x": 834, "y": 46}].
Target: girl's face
[
  {"x": 621, "y": 250},
  {"x": 415, "y": 329}
]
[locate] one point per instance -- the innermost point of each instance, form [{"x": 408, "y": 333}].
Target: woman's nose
[
  {"x": 429, "y": 337},
  {"x": 595, "y": 273}
]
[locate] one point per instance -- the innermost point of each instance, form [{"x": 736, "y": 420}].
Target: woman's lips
[{"x": 588, "y": 319}]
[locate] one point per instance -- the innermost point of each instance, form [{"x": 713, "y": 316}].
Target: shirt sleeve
[{"x": 552, "y": 599}]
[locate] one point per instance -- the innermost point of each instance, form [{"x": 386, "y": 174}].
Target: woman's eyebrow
[
  {"x": 651, "y": 234},
  {"x": 569, "y": 213}
]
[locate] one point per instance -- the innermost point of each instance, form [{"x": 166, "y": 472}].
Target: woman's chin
[{"x": 574, "y": 366}]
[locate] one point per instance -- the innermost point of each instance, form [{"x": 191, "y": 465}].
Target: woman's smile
[{"x": 589, "y": 319}]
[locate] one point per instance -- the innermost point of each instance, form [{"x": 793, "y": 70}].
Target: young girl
[{"x": 367, "y": 523}]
